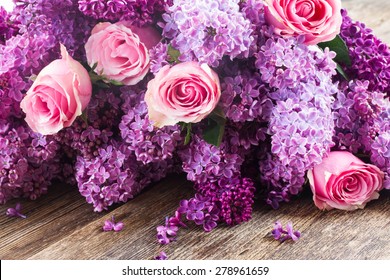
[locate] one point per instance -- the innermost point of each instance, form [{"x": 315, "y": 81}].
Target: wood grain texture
[{"x": 61, "y": 225}]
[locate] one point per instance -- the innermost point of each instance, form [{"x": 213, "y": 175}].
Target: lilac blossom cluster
[
  {"x": 112, "y": 164},
  {"x": 8, "y": 29},
  {"x": 148, "y": 143},
  {"x": 357, "y": 113},
  {"x": 28, "y": 161},
  {"x": 253, "y": 10},
  {"x": 159, "y": 57},
  {"x": 207, "y": 30},
  {"x": 233, "y": 197},
  {"x": 140, "y": 12},
  {"x": 362, "y": 106},
  {"x": 227, "y": 200},
  {"x": 42, "y": 26},
  {"x": 370, "y": 56},
  {"x": 301, "y": 124},
  {"x": 200, "y": 209},
  {"x": 380, "y": 147},
  {"x": 245, "y": 97},
  {"x": 204, "y": 162}
]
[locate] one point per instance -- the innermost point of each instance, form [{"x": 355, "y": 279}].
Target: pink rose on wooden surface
[
  {"x": 344, "y": 182},
  {"x": 120, "y": 51},
  {"x": 186, "y": 92},
  {"x": 59, "y": 94},
  {"x": 318, "y": 20}
]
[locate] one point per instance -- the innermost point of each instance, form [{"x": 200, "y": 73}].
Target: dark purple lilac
[
  {"x": 245, "y": 97},
  {"x": 25, "y": 170},
  {"x": 233, "y": 197},
  {"x": 8, "y": 28},
  {"x": 140, "y": 12},
  {"x": 159, "y": 57}
]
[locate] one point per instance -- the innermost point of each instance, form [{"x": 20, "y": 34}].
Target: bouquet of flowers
[{"x": 249, "y": 98}]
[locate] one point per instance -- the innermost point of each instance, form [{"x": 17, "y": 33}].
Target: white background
[{"x": 7, "y": 4}]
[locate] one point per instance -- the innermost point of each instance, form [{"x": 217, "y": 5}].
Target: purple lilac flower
[
  {"x": 12, "y": 87},
  {"x": 25, "y": 171},
  {"x": 380, "y": 148},
  {"x": 253, "y": 10},
  {"x": 301, "y": 123},
  {"x": 167, "y": 233},
  {"x": 112, "y": 176},
  {"x": 370, "y": 56},
  {"x": 149, "y": 144},
  {"x": 16, "y": 211},
  {"x": 8, "y": 28},
  {"x": 162, "y": 256},
  {"x": 42, "y": 26},
  {"x": 111, "y": 225},
  {"x": 281, "y": 234},
  {"x": 140, "y": 12},
  {"x": 204, "y": 162},
  {"x": 207, "y": 30},
  {"x": 233, "y": 197},
  {"x": 107, "y": 168},
  {"x": 201, "y": 210},
  {"x": 245, "y": 97},
  {"x": 357, "y": 112},
  {"x": 158, "y": 57}
]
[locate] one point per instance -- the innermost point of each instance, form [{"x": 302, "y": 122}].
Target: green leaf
[
  {"x": 215, "y": 127},
  {"x": 213, "y": 133},
  {"x": 33, "y": 77},
  {"x": 95, "y": 78},
  {"x": 340, "y": 48},
  {"x": 115, "y": 83},
  {"x": 94, "y": 66},
  {"x": 187, "y": 139},
  {"x": 188, "y": 128},
  {"x": 84, "y": 116},
  {"x": 173, "y": 54},
  {"x": 342, "y": 72}
]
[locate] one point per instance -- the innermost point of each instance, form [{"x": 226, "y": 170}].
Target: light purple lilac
[{"x": 207, "y": 30}]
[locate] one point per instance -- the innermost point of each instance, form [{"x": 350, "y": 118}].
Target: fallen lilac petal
[
  {"x": 15, "y": 212},
  {"x": 161, "y": 257}
]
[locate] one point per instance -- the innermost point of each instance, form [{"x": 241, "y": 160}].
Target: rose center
[
  {"x": 42, "y": 106},
  {"x": 305, "y": 8}
]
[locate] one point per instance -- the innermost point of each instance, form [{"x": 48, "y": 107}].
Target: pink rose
[
  {"x": 121, "y": 51},
  {"x": 59, "y": 94},
  {"x": 344, "y": 182},
  {"x": 186, "y": 92},
  {"x": 318, "y": 20}
]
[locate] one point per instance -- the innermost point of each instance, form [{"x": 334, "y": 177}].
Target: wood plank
[
  {"x": 335, "y": 234},
  {"x": 49, "y": 219},
  {"x": 136, "y": 240}
]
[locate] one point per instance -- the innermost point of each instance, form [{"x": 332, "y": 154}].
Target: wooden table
[{"x": 61, "y": 225}]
